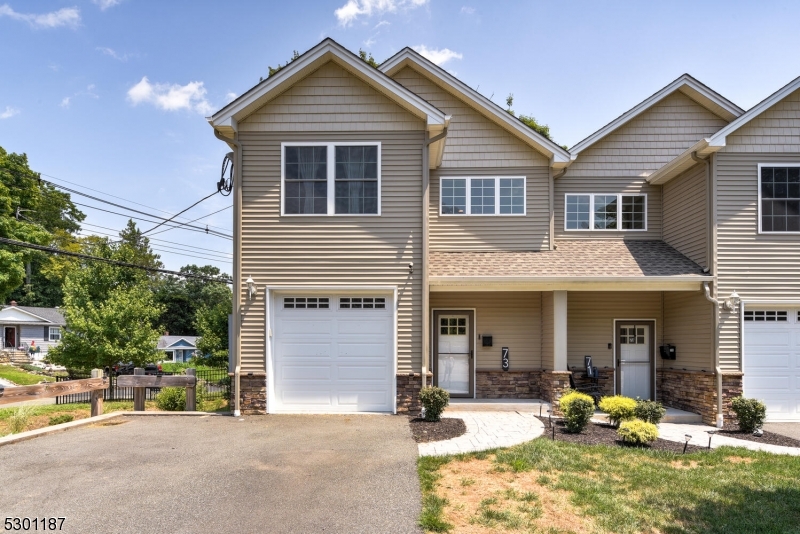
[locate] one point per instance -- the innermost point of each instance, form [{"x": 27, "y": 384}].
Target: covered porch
[{"x": 515, "y": 325}]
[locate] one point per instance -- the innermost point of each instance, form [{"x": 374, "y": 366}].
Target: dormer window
[
  {"x": 331, "y": 178},
  {"x": 501, "y": 195},
  {"x": 605, "y": 212}
]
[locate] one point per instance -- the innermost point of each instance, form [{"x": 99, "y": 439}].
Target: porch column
[{"x": 559, "y": 330}]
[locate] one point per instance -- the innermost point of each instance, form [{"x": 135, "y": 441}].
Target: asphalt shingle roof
[
  {"x": 166, "y": 341},
  {"x": 52, "y": 315},
  {"x": 577, "y": 258}
]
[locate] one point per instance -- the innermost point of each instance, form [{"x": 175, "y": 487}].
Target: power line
[
  {"x": 172, "y": 250},
  {"x": 197, "y": 219},
  {"x": 53, "y": 250},
  {"x": 151, "y": 238},
  {"x": 182, "y": 211},
  {"x": 110, "y": 195}
]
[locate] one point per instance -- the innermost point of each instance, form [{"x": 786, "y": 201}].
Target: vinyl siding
[
  {"x": 689, "y": 325},
  {"x": 775, "y": 130},
  {"x": 334, "y": 250},
  {"x": 590, "y": 321},
  {"x": 327, "y": 100},
  {"x": 765, "y": 266},
  {"x": 486, "y": 232},
  {"x": 548, "y": 330},
  {"x": 28, "y": 333},
  {"x": 646, "y": 143},
  {"x": 513, "y": 319},
  {"x": 609, "y": 185},
  {"x": 686, "y": 214},
  {"x": 472, "y": 139}
]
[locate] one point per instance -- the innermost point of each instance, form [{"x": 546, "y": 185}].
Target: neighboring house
[
  {"x": 24, "y": 326},
  {"x": 178, "y": 349},
  {"x": 395, "y": 228}
]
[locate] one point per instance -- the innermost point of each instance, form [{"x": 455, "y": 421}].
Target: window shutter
[{"x": 46, "y": 336}]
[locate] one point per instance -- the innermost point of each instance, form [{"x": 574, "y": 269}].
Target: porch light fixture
[
  {"x": 731, "y": 302},
  {"x": 251, "y": 288}
]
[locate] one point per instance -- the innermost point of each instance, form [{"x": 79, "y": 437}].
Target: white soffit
[
  {"x": 692, "y": 88},
  {"x": 408, "y": 57},
  {"x": 682, "y": 163},
  {"x": 225, "y": 120},
  {"x": 719, "y": 138}
]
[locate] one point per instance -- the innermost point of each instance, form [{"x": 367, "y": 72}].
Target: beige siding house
[{"x": 395, "y": 229}]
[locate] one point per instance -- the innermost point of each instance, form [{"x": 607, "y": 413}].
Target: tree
[
  {"x": 110, "y": 311},
  {"x": 183, "y": 297},
  {"x": 528, "y": 120},
  {"x": 368, "y": 59},
  {"x": 211, "y": 322}
]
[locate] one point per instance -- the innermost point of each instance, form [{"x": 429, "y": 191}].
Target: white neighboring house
[
  {"x": 22, "y": 327},
  {"x": 178, "y": 349}
]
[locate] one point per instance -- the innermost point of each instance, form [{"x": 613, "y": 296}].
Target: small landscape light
[
  {"x": 710, "y": 435},
  {"x": 687, "y": 437}
]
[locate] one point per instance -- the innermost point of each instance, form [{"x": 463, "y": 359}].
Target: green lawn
[
  {"x": 178, "y": 367},
  {"x": 546, "y": 486},
  {"x": 21, "y": 377}
]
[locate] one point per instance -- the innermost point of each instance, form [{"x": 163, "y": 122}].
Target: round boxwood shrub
[
  {"x": 434, "y": 400},
  {"x": 578, "y": 409},
  {"x": 649, "y": 411},
  {"x": 171, "y": 399},
  {"x": 750, "y": 412},
  {"x": 637, "y": 432},
  {"x": 618, "y": 408}
]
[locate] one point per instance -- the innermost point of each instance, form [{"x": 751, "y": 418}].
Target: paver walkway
[
  {"x": 487, "y": 430},
  {"x": 699, "y": 433}
]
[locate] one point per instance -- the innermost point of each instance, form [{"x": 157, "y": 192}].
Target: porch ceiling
[{"x": 579, "y": 264}]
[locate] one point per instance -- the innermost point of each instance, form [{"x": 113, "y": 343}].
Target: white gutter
[{"x": 717, "y": 368}]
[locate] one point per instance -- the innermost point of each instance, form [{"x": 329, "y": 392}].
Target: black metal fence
[{"x": 215, "y": 384}]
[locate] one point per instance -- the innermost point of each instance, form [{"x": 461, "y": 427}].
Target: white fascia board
[
  {"x": 573, "y": 283},
  {"x": 405, "y": 57},
  {"x": 326, "y": 51},
  {"x": 719, "y": 139},
  {"x": 731, "y": 109},
  {"x": 10, "y": 315},
  {"x": 682, "y": 162}
]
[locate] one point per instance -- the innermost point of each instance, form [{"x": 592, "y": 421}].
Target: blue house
[{"x": 178, "y": 349}]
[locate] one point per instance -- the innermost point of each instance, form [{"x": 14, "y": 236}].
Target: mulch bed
[
  {"x": 446, "y": 428},
  {"x": 770, "y": 438},
  {"x": 603, "y": 434}
]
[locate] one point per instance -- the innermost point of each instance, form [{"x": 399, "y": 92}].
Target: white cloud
[
  {"x": 353, "y": 9},
  {"x": 9, "y": 112},
  {"x": 369, "y": 42},
  {"x": 171, "y": 97},
  {"x": 113, "y": 53},
  {"x": 66, "y": 101},
  {"x": 105, "y": 4},
  {"x": 230, "y": 97},
  {"x": 466, "y": 10},
  {"x": 381, "y": 23},
  {"x": 438, "y": 57},
  {"x": 67, "y": 16}
]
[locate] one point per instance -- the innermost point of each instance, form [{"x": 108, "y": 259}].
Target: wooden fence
[
  {"x": 96, "y": 384},
  {"x": 139, "y": 381}
]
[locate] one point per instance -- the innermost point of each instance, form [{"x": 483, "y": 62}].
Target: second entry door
[{"x": 453, "y": 352}]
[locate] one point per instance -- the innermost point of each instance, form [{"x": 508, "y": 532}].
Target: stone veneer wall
[
  {"x": 408, "y": 386},
  {"x": 552, "y": 385},
  {"x": 253, "y": 392},
  {"x": 696, "y": 391},
  {"x": 507, "y": 384}
]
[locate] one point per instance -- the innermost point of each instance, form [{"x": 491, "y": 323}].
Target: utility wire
[
  {"x": 195, "y": 220},
  {"x": 169, "y": 249},
  {"x": 53, "y": 250},
  {"x": 189, "y": 247},
  {"x": 110, "y": 195},
  {"x": 182, "y": 211}
]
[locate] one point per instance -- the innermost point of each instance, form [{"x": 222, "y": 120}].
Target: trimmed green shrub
[
  {"x": 637, "y": 432},
  {"x": 434, "y": 400},
  {"x": 18, "y": 421},
  {"x": 578, "y": 409},
  {"x": 63, "y": 418},
  {"x": 649, "y": 411},
  {"x": 618, "y": 408},
  {"x": 750, "y": 412},
  {"x": 171, "y": 399}
]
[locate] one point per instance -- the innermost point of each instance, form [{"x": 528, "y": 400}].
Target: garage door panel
[
  {"x": 290, "y": 351},
  {"x": 288, "y": 373},
  {"x": 378, "y": 327},
  {"x": 363, "y": 400},
  {"x": 770, "y": 338},
  {"x": 362, "y": 373},
  {"x": 362, "y": 350},
  {"x": 309, "y": 326},
  {"x": 306, "y": 397},
  {"x": 771, "y": 361}
]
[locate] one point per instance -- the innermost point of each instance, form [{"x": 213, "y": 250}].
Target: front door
[
  {"x": 636, "y": 359},
  {"x": 453, "y": 350},
  {"x": 10, "y": 335}
]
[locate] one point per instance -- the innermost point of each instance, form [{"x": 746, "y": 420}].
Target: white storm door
[
  {"x": 772, "y": 361},
  {"x": 453, "y": 354},
  {"x": 333, "y": 353},
  {"x": 635, "y": 366}
]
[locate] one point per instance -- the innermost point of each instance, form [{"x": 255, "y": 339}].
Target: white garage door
[
  {"x": 333, "y": 353},
  {"x": 772, "y": 361}
]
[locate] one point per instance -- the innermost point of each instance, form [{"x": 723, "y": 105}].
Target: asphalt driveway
[
  {"x": 790, "y": 430},
  {"x": 219, "y": 474}
]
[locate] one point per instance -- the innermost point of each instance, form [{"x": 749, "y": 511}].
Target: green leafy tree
[
  {"x": 183, "y": 297},
  {"x": 528, "y": 120},
  {"x": 211, "y": 323},
  {"x": 368, "y": 59}
]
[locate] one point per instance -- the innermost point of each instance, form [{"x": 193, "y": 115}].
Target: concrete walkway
[
  {"x": 486, "y": 430},
  {"x": 699, "y": 433}
]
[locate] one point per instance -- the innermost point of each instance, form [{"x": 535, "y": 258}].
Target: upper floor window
[
  {"x": 779, "y": 197},
  {"x": 482, "y": 196},
  {"x": 331, "y": 179},
  {"x": 605, "y": 212}
]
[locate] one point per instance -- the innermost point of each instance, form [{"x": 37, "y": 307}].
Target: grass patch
[
  {"x": 545, "y": 486},
  {"x": 431, "y": 518},
  {"x": 22, "y": 377}
]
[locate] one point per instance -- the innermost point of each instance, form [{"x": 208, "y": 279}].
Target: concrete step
[
  {"x": 535, "y": 406},
  {"x": 673, "y": 415}
]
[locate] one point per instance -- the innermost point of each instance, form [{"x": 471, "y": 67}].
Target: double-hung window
[
  {"x": 779, "y": 198},
  {"x": 605, "y": 212},
  {"x": 482, "y": 196},
  {"x": 55, "y": 333},
  {"x": 331, "y": 178}
]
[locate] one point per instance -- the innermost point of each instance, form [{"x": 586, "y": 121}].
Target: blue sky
[{"x": 112, "y": 94}]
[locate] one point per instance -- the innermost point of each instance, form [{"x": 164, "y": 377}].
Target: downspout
[
  {"x": 552, "y": 194},
  {"x": 707, "y": 291},
  {"x": 237, "y": 279},
  {"x": 426, "y": 198}
]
